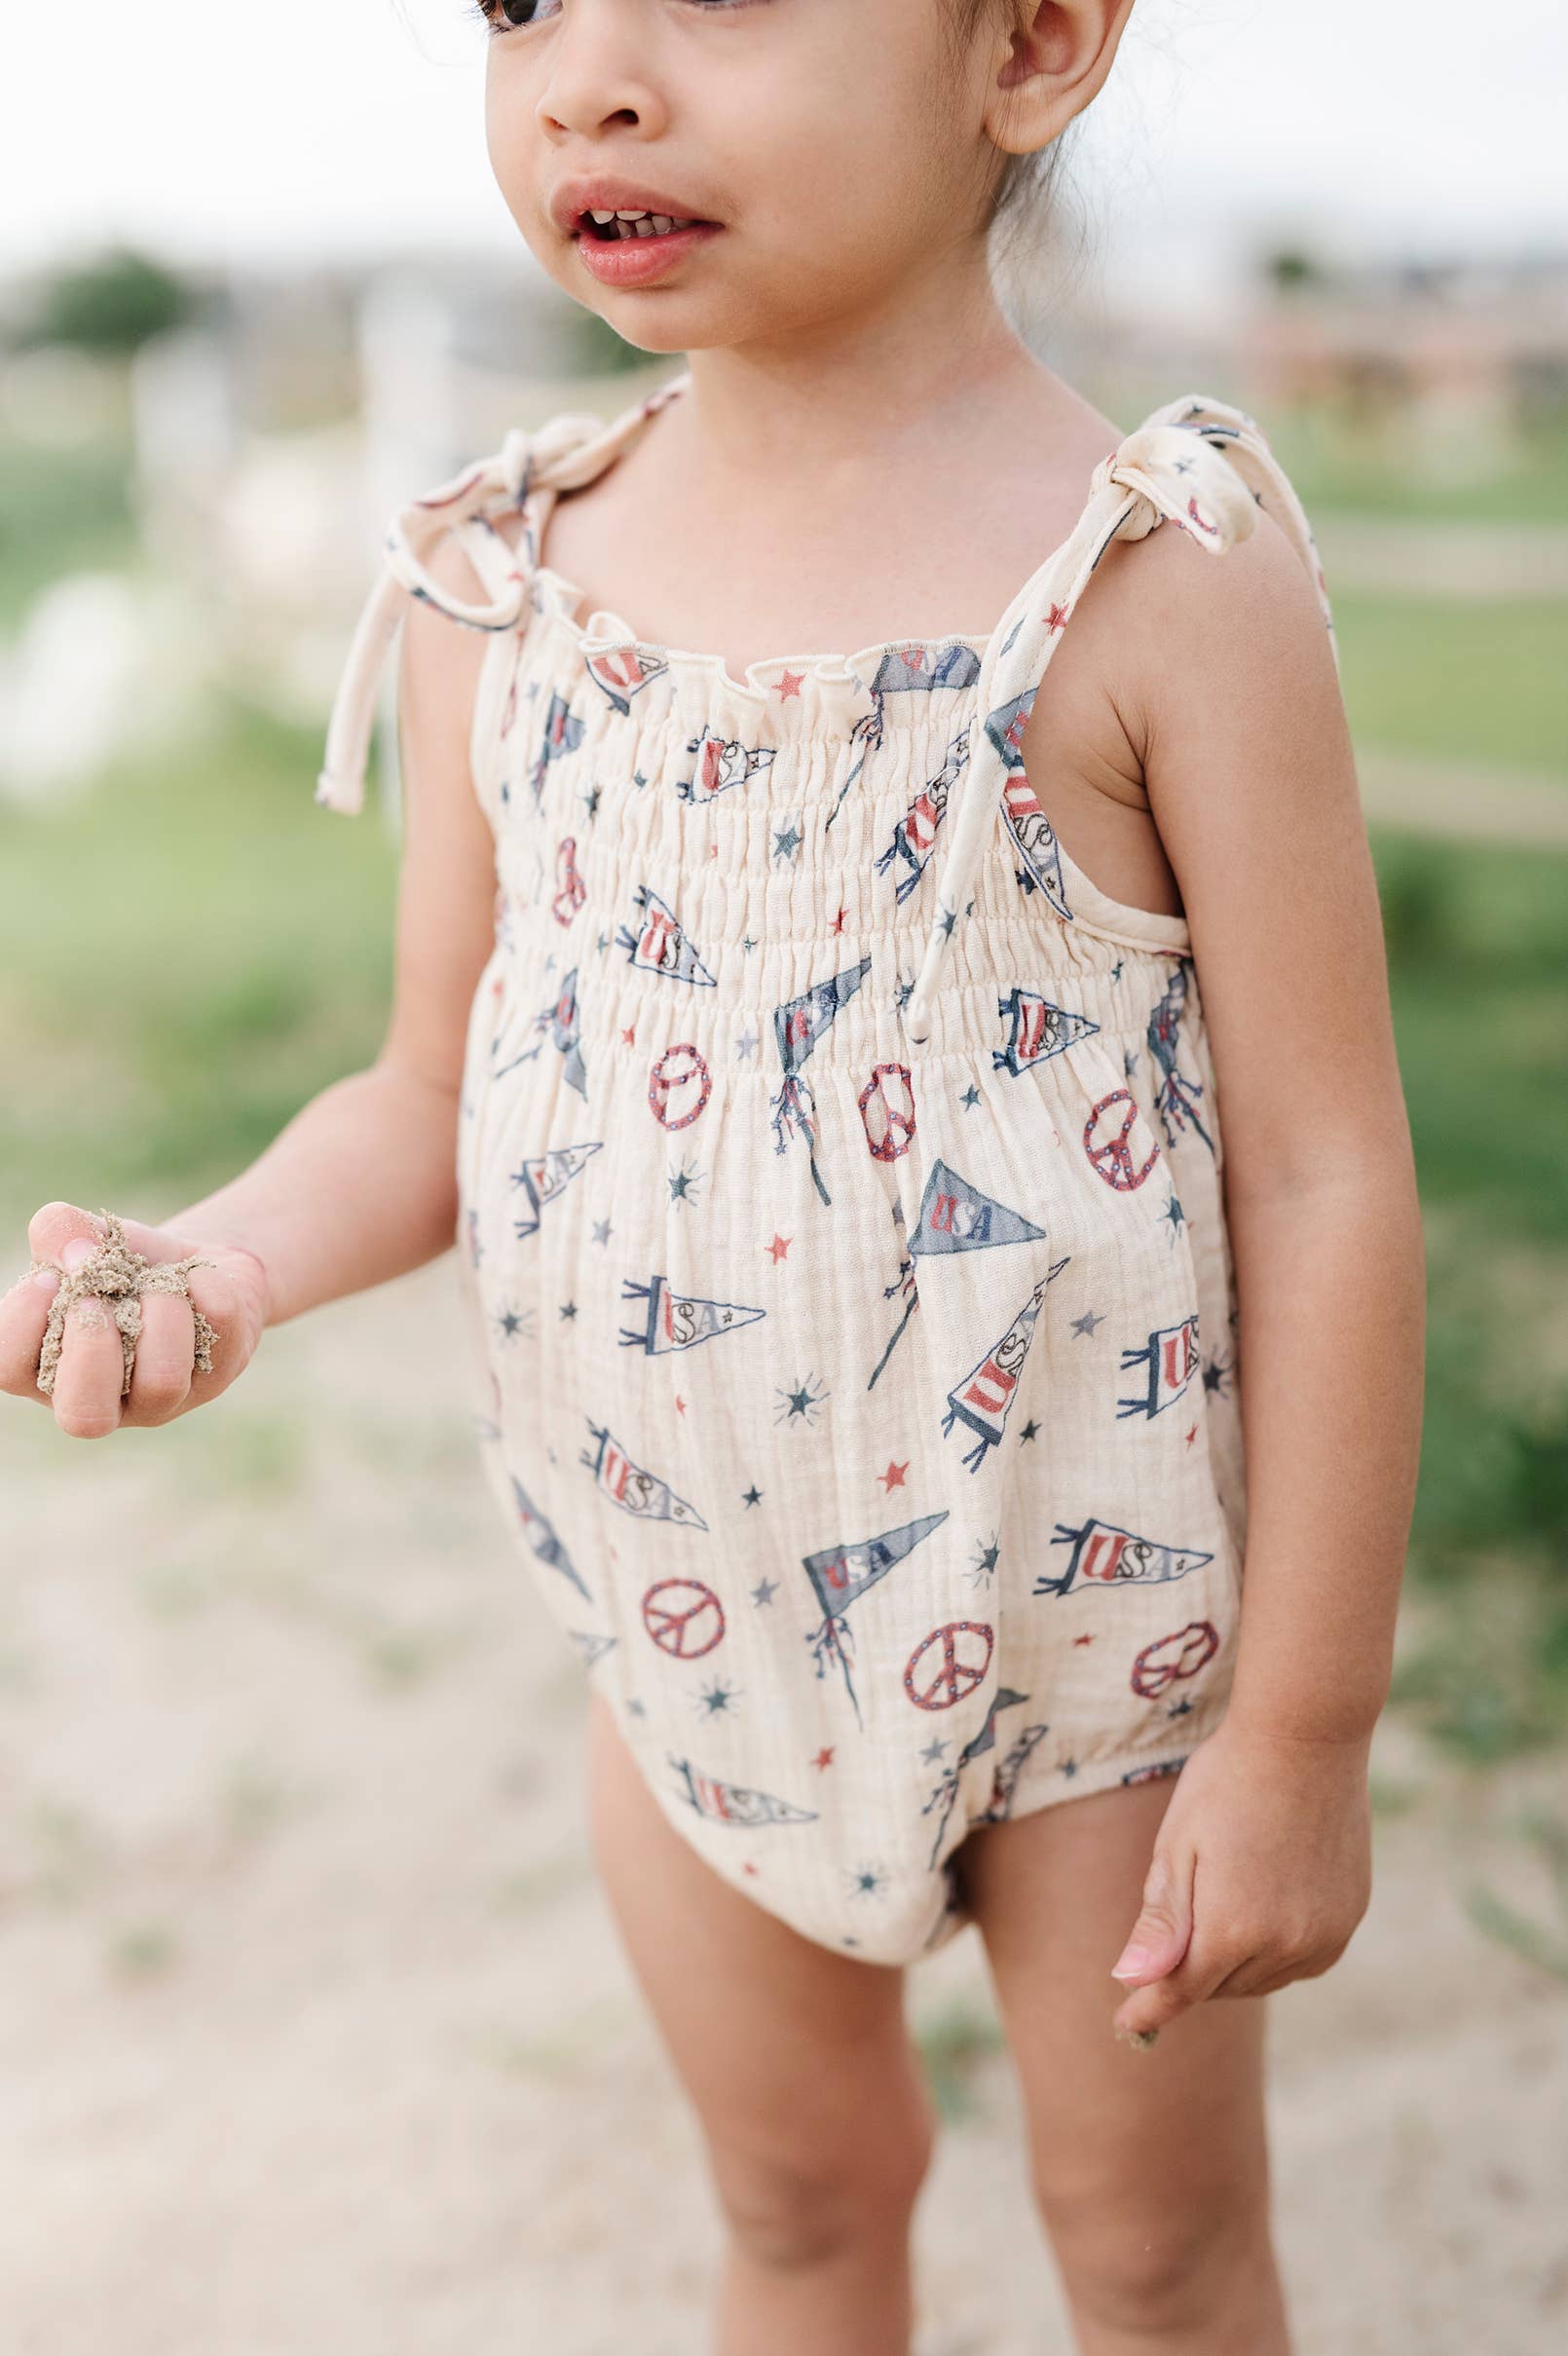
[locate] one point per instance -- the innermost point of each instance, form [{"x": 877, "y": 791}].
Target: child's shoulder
[{"x": 1253, "y": 628}]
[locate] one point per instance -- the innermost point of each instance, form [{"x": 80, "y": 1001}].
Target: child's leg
[
  {"x": 1150, "y": 2167},
  {"x": 811, "y": 2100}
]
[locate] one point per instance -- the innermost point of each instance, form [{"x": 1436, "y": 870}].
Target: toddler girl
[{"x": 883, "y": 1100}]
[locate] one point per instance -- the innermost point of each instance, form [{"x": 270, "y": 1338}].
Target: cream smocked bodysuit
[{"x": 842, "y": 1221}]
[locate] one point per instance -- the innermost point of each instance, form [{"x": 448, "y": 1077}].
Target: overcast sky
[{"x": 298, "y": 128}]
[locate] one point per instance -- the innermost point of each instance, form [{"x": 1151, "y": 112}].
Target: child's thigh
[
  {"x": 797, "y": 2059},
  {"x": 1166, "y": 2138}
]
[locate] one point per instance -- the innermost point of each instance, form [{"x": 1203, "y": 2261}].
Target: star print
[
  {"x": 1086, "y": 1324},
  {"x": 970, "y": 1097},
  {"x": 1083, "y": 1640},
  {"x": 1069, "y": 1767},
  {"x": 786, "y": 843},
  {"x": 569, "y": 1309},
  {"x": 986, "y": 1560},
  {"x": 949, "y": 917},
  {"x": 1192, "y": 1436},
  {"x": 837, "y": 921},
  {"x": 604, "y": 940},
  {"x": 629, "y": 1038},
  {"x": 801, "y": 1401},
  {"x": 680, "y": 1405},
  {"x": 867, "y": 1882},
  {"x": 715, "y": 1699},
  {"x": 1173, "y": 1212},
  {"x": 893, "y": 1477},
  {"x": 750, "y": 1497},
  {"x": 933, "y": 1750},
  {"x": 638, "y": 779},
  {"x": 824, "y": 1758},
  {"x": 510, "y": 1324},
  {"x": 592, "y": 800},
  {"x": 1116, "y": 970},
  {"x": 1056, "y": 618},
  {"x": 764, "y": 1591},
  {"x": 1181, "y": 466},
  {"x": 748, "y": 945},
  {"x": 638, "y": 1709},
  {"x": 749, "y": 1867},
  {"x": 788, "y": 684},
  {"x": 746, "y": 1043},
  {"x": 1130, "y": 1062},
  {"x": 1030, "y": 1431},
  {"x": 682, "y": 1183},
  {"x": 1179, "y": 1709},
  {"x": 778, "y": 1247},
  {"x": 601, "y": 1232},
  {"x": 903, "y": 991},
  {"x": 1214, "y": 1375}
]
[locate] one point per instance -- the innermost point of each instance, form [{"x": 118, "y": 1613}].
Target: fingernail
[
  {"x": 76, "y": 1251},
  {"x": 46, "y": 1280},
  {"x": 1130, "y": 1962}
]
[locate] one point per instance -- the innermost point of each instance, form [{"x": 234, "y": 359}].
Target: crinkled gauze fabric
[{"x": 842, "y": 1225}]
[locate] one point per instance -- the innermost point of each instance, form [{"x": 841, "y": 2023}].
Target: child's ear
[{"x": 1052, "y": 61}]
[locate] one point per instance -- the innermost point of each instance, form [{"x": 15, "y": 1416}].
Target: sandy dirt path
[{"x": 315, "y": 2035}]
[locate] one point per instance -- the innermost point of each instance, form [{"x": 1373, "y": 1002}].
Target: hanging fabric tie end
[{"x": 344, "y": 794}]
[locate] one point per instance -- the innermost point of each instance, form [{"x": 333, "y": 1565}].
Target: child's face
[{"x": 840, "y": 147}]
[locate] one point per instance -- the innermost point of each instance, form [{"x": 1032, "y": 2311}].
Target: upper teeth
[{"x": 638, "y": 224}]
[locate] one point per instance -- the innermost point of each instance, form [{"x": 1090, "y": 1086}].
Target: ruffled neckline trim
[{"x": 603, "y": 628}]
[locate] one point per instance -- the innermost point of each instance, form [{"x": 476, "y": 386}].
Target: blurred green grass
[
  {"x": 1336, "y": 462},
  {"x": 190, "y": 952},
  {"x": 1482, "y": 682},
  {"x": 60, "y": 511}
]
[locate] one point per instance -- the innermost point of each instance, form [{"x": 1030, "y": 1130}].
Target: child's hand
[
  {"x": 1262, "y": 1868},
  {"x": 165, "y": 1380}
]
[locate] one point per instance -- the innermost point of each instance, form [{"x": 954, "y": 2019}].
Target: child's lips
[{"x": 634, "y": 261}]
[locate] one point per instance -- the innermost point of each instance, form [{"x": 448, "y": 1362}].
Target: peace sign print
[
  {"x": 887, "y": 1111},
  {"x": 679, "y": 1076},
  {"x": 1106, "y": 1147},
  {"x": 1182, "y": 1655},
  {"x": 683, "y": 1617},
  {"x": 948, "y": 1663}
]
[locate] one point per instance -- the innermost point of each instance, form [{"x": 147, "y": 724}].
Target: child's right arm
[{"x": 361, "y": 1185}]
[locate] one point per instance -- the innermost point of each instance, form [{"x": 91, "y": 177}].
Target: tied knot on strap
[
  {"x": 560, "y": 454},
  {"x": 1173, "y": 473},
  {"x": 525, "y": 463}
]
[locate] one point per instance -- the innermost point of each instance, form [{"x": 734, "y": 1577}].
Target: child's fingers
[
  {"x": 23, "y": 1315},
  {"x": 165, "y": 1352},
  {"x": 90, "y": 1370}
]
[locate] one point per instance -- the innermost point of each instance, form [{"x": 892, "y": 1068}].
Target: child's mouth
[
  {"x": 610, "y": 227},
  {"x": 624, "y": 249}
]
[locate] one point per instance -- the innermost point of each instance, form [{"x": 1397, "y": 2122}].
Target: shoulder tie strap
[
  {"x": 565, "y": 451},
  {"x": 1198, "y": 464}
]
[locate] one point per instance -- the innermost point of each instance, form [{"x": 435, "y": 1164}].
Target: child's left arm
[{"x": 1262, "y": 1867}]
